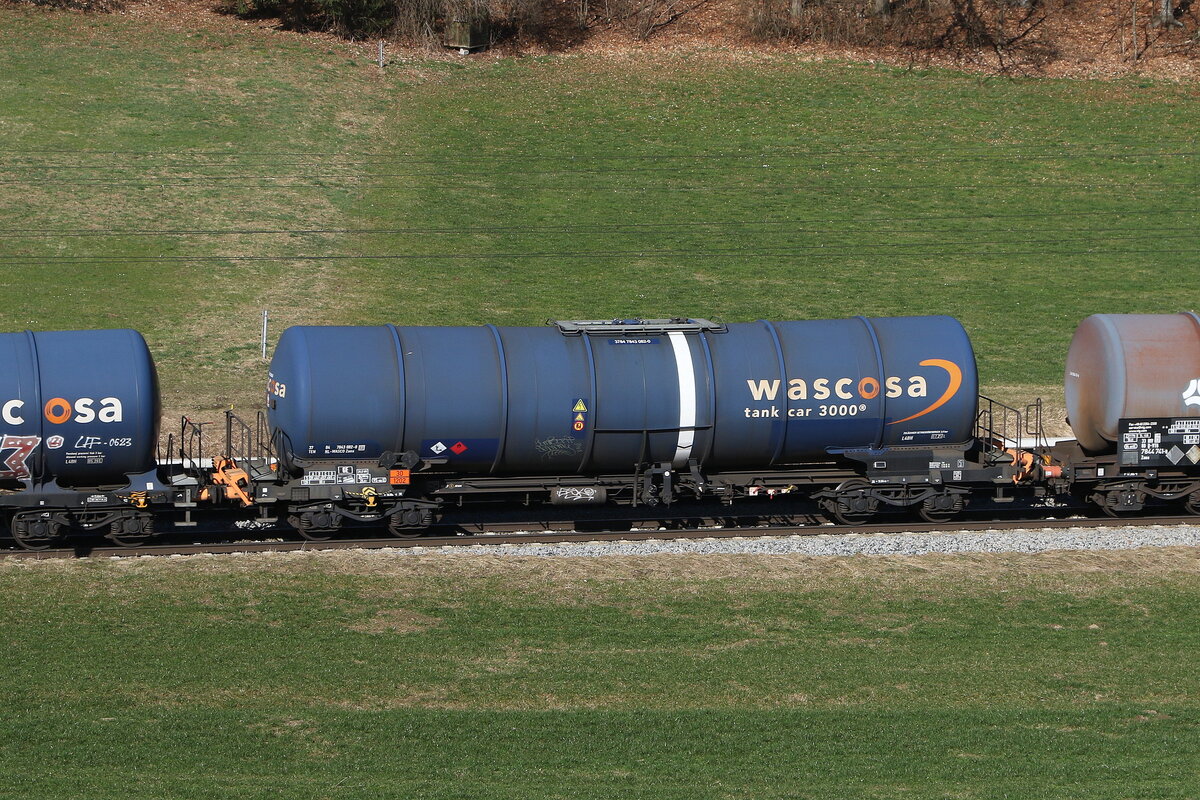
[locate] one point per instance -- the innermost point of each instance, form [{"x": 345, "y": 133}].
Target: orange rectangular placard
[{"x": 399, "y": 477}]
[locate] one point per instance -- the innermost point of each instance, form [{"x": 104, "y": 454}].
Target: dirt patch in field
[{"x": 396, "y": 620}]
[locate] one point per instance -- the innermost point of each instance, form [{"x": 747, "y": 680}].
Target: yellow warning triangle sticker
[
  {"x": 579, "y": 417},
  {"x": 579, "y": 406}
]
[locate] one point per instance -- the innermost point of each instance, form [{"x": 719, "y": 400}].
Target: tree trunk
[{"x": 1166, "y": 17}]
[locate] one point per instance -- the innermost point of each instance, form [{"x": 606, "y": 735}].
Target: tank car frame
[{"x": 408, "y": 494}]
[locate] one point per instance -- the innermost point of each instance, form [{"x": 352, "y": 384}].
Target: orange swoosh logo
[{"x": 955, "y": 382}]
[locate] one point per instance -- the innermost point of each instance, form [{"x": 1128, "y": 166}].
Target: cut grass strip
[{"x": 369, "y": 674}]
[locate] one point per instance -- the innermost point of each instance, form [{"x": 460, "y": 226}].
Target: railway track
[{"x": 514, "y": 533}]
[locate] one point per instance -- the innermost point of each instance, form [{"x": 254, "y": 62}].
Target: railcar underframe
[{"x": 407, "y": 495}]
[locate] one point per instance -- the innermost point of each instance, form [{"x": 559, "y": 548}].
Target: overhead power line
[
  {"x": 916, "y": 157},
  {"x": 265, "y": 181},
  {"x": 884, "y": 248},
  {"x": 1110, "y": 142},
  {"x": 607, "y": 227}
]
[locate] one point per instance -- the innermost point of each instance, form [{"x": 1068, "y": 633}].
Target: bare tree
[{"x": 1166, "y": 16}]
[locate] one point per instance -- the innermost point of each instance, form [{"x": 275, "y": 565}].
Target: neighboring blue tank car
[
  {"x": 80, "y": 408},
  {"x": 79, "y": 415}
]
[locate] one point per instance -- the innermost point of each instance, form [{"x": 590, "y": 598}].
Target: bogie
[
  {"x": 317, "y": 524},
  {"x": 131, "y": 530},
  {"x": 36, "y": 530},
  {"x": 942, "y": 506},
  {"x": 409, "y": 521}
]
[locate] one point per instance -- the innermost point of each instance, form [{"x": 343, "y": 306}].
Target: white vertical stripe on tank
[{"x": 687, "y": 398}]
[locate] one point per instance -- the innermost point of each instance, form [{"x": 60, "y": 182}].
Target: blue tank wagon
[
  {"x": 628, "y": 410},
  {"x": 79, "y": 416}
]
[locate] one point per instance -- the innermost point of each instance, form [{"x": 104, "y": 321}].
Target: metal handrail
[{"x": 1009, "y": 427}]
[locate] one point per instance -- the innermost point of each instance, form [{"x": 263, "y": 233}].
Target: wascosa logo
[
  {"x": 1191, "y": 395},
  {"x": 59, "y": 410},
  {"x": 869, "y": 388}
]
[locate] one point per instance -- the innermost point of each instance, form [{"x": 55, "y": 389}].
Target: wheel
[
  {"x": 846, "y": 516},
  {"x": 36, "y": 531},
  {"x": 941, "y": 507},
  {"x": 1191, "y": 503},
  {"x": 316, "y": 526},
  {"x": 410, "y": 523},
  {"x": 131, "y": 531},
  {"x": 853, "y": 503},
  {"x": 851, "y": 508},
  {"x": 1119, "y": 502}
]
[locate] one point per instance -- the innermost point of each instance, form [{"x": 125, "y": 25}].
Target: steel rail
[{"x": 563, "y": 537}]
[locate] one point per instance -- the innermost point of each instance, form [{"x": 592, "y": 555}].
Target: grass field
[
  {"x": 180, "y": 183},
  {"x": 368, "y": 675}
]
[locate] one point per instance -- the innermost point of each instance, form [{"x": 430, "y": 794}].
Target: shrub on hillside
[
  {"x": 641, "y": 18},
  {"x": 1010, "y": 30},
  {"x": 346, "y": 17},
  {"x": 411, "y": 19}
]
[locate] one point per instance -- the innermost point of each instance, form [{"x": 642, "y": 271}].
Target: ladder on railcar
[
  {"x": 1006, "y": 427},
  {"x": 249, "y": 447}
]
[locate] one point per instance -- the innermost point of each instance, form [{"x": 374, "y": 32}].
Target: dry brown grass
[
  {"x": 396, "y": 620},
  {"x": 1018, "y": 396},
  {"x": 580, "y": 580}
]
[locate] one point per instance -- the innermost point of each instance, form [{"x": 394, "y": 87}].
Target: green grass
[
  {"x": 368, "y": 675},
  {"x": 709, "y": 184},
  {"x": 108, "y": 131},
  {"x": 780, "y": 190},
  {"x": 588, "y": 754}
]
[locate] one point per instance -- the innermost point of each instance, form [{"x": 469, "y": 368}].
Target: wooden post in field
[
  {"x": 264, "y": 335},
  {"x": 381, "y": 53}
]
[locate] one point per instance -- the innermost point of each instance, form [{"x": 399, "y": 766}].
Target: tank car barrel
[
  {"x": 588, "y": 397},
  {"x": 77, "y": 407},
  {"x": 1124, "y": 366}
]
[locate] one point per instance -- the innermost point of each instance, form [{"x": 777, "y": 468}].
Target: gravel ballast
[{"x": 877, "y": 544}]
